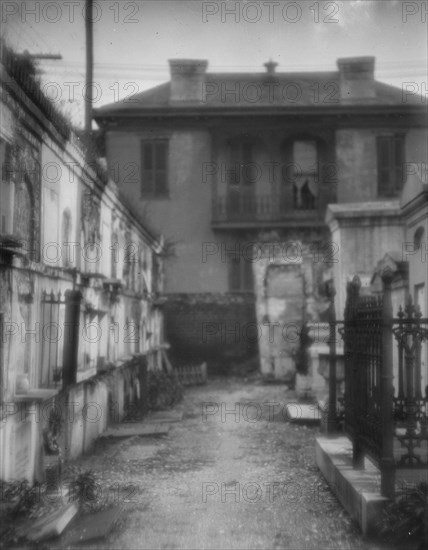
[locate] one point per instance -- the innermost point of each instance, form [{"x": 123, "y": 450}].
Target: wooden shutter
[
  {"x": 247, "y": 275},
  {"x": 154, "y": 161},
  {"x": 160, "y": 168},
  {"x": 390, "y": 163},
  {"x": 147, "y": 168}
]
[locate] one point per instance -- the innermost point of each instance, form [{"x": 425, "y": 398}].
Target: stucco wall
[
  {"x": 289, "y": 294},
  {"x": 356, "y": 164},
  {"x": 184, "y": 218},
  {"x": 362, "y": 239},
  {"x": 416, "y": 148},
  {"x": 356, "y": 157},
  {"x": 84, "y": 410},
  {"x": 89, "y": 407}
]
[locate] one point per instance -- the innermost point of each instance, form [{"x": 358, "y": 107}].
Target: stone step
[{"x": 49, "y": 526}]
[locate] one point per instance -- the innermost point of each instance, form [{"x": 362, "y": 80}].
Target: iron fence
[
  {"x": 410, "y": 403},
  {"x": 385, "y": 403}
]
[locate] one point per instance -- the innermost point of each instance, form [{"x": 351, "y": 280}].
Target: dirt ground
[{"x": 221, "y": 480}]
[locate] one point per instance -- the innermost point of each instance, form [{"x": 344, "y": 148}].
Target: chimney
[
  {"x": 187, "y": 79},
  {"x": 270, "y": 67},
  {"x": 356, "y": 79}
]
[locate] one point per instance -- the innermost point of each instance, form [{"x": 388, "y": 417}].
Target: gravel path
[{"x": 222, "y": 480}]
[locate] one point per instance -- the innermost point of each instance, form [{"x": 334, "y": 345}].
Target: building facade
[
  {"x": 79, "y": 279},
  {"x": 237, "y": 170}
]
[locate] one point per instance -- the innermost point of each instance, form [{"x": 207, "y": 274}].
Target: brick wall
[{"x": 217, "y": 328}]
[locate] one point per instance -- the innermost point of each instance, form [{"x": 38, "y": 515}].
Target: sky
[{"x": 133, "y": 40}]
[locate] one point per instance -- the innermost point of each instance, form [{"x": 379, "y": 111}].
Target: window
[
  {"x": 156, "y": 273},
  {"x": 418, "y": 238},
  {"x": 154, "y": 165},
  {"x": 240, "y": 272},
  {"x": 23, "y": 214},
  {"x": 390, "y": 162},
  {"x": 305, "y": 175},
  {"x": 7, "y": 190},
  {"x": 241, "y": 177}
]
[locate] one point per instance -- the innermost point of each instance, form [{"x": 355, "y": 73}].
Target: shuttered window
[
  {"x": 390, "y": 164},
  {"x": 240, "y": 273},
  {"x": 154, "y": 173}
]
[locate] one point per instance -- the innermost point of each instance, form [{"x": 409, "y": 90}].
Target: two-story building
[{"x": 237, "y": 170}]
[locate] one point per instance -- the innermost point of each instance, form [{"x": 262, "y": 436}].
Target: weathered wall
[
  {"x": 281, "y": 310},
  {"x": 20, "y": 442},
  {"x": 364, "y": 233},
  {"x": 289, "y": 294},
  {"x": 90, "y": 406},
  {"x": 84, "y": 411}
]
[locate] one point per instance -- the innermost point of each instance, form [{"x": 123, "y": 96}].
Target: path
[{"x": 228, "y": 482}]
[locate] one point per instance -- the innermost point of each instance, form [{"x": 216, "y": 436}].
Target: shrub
[
  {"x": 164, "y": 390},
  {"x": 405, "y": 520},
  {"x": 84, "y": 487}
]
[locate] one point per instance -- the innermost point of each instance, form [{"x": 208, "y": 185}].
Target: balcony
[{"x": 249, "y": 211}]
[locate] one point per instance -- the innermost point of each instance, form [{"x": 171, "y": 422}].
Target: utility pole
[{"x": 89, "y": 23}]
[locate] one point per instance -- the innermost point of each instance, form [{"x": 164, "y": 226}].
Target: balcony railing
[{"x": 258, "y": 208}]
